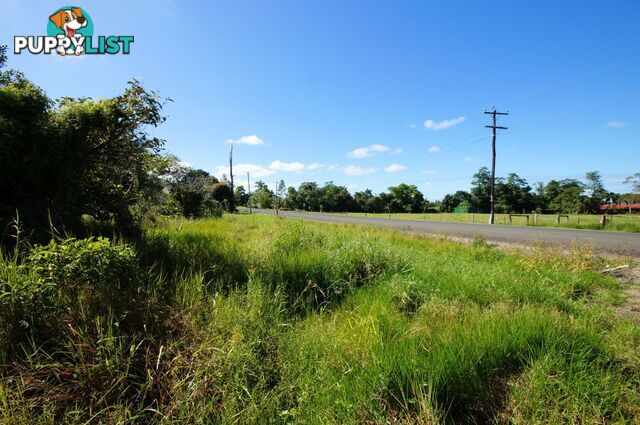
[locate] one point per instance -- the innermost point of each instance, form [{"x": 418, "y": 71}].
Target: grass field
[
  {"x": 255, "y": 319},
  {"x": 620, "y": 223}
]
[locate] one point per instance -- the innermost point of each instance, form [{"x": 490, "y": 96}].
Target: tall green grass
[{"x": 255, "y": 319}]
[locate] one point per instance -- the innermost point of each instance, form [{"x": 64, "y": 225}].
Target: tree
[
  {"x": 64, "y": 160},
  {"x": 280, "y": 191},
  {"x": 335, "y": 198},
  {"x": 309, "y": 196},
  {"x": 596, "y": 191},
  {"x": 566, "y": 196},
  {"x": 241, "y": 196},
  {"x": 291, "y": 199},
  {"x": 222, "y": 193},
  {"x": 450, "y": 202},
  {"x": 634, "y": 182},
  {"x": 3, "y": 56},
  {"x": 192, "y": 191},
  {"x": 480, "y": 189},
  {"x": 364, "y": 201},
  {"x": 406, "y": 198},
  {"x": 262, "y": 197},
  {"x": 513, "y": 195}
]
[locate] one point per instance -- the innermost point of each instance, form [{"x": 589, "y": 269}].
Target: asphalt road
[{"x": 617, "y": 242}]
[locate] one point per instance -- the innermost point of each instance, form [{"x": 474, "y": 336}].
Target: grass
[
  {"x": 617, "y": 223},
  {"x": 255, "y": 319}
]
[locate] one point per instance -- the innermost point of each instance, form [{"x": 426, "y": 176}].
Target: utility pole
[
  {"x": 493, "y": 128},
  {"x": 249, "y": 186},
  {"x": 277, "y": 198},
  {"x": 233, "y": 195}
]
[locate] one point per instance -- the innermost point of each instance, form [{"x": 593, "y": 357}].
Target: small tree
[{"x": 634, "y": 182}]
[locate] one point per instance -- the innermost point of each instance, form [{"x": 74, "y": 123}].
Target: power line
[{"x": 542, "y": 90}]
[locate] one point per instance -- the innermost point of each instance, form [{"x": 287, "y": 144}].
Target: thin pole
[
  {"x": 233, "y": 195},
  {"x": 249, "y": 186},
  {"x": 276, "y": 193},
  {"x": 492, "y": 187}
]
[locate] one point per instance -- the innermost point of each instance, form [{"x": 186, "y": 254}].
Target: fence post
[
  {"x": 603, "y": 221},
  {"x": 558, "y": 219},
  {"x": 473, "y": 217},
  {"x": 535, "y": 219}
]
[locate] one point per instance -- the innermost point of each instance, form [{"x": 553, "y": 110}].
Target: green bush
[{"x": 66, "y": 281}]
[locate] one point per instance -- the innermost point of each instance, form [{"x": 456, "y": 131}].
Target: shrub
[{"x": 65, "y": 281}]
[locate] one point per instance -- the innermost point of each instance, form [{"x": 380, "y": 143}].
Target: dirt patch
[{"x": 631, "y": 283}]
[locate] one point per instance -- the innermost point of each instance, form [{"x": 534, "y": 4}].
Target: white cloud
[
  {"x": 430, "y": 172},
  {"x": 360, "y": 153},
  {"x": 616, "y": 124},
  {"x": 315, "y": 166},
  {"x": 370, "y": 151},
  {"x": 469, "y": 159},
  {"x": 379, "y": 148},
  {"x": 392, "y": 168},
  {"x": 412, "y": 126},
  {"x": 434, "y": 149},
  {"x": 356, "y": 170},
  {"x": 286, "y": 166},
  {"x": 441, "y": 125},
  {"x": 246, "y": 140},
  {"x": 397, "y": 150},
  {"x": 255, "y": 170},
  {"x": 428, "y": 184}
]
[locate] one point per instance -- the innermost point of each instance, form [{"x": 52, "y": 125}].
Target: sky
[{"x": 369, "y": 94}]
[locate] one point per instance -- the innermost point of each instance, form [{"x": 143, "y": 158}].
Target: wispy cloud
[
  {"x": 360, "y": 153},
  {"x": 379, "y": 148},
  {"x": 615, "y": 124},
  {"x": 393, "y": 168},
  {"x": 434, "y": 149},
  {"x": 315, "y": 166},
  {"x": 286, "y": 166},
  {"x": 429, "y": 172},
  {"x": 441, "y": 125},
  {"x": 255, "y": 170},
  {"x": 370, "y": 151},
  {"x": 428, "y": 184},
  {"x": 356, "y": 170},
  {"x": 246, "y": 140},
  {"x": 469, "y": 159}
]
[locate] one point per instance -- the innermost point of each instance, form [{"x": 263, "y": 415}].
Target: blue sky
[{"x": 370, "y": 93}]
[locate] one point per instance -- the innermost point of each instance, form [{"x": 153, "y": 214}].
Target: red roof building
[{"x": 621, "y": 206}]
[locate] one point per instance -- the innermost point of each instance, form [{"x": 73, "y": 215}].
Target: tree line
[{"x": 513, "y": 194}]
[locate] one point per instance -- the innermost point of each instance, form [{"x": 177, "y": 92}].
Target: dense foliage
[{"x": 78, "y": 165}]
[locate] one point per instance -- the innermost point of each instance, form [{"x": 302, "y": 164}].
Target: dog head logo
[{"x": 71, "y": 22}]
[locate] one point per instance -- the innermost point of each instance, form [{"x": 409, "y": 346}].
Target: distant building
[{"x": 620, "y": 207}]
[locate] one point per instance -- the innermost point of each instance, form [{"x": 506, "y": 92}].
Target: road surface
[{"x": 618, "y": 242}]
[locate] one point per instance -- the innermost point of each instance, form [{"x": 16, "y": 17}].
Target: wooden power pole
[
  {"x": 233, "y": 195},
  {"x": 249, "y": 188},
  {"x": 493, "y": 128}
]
